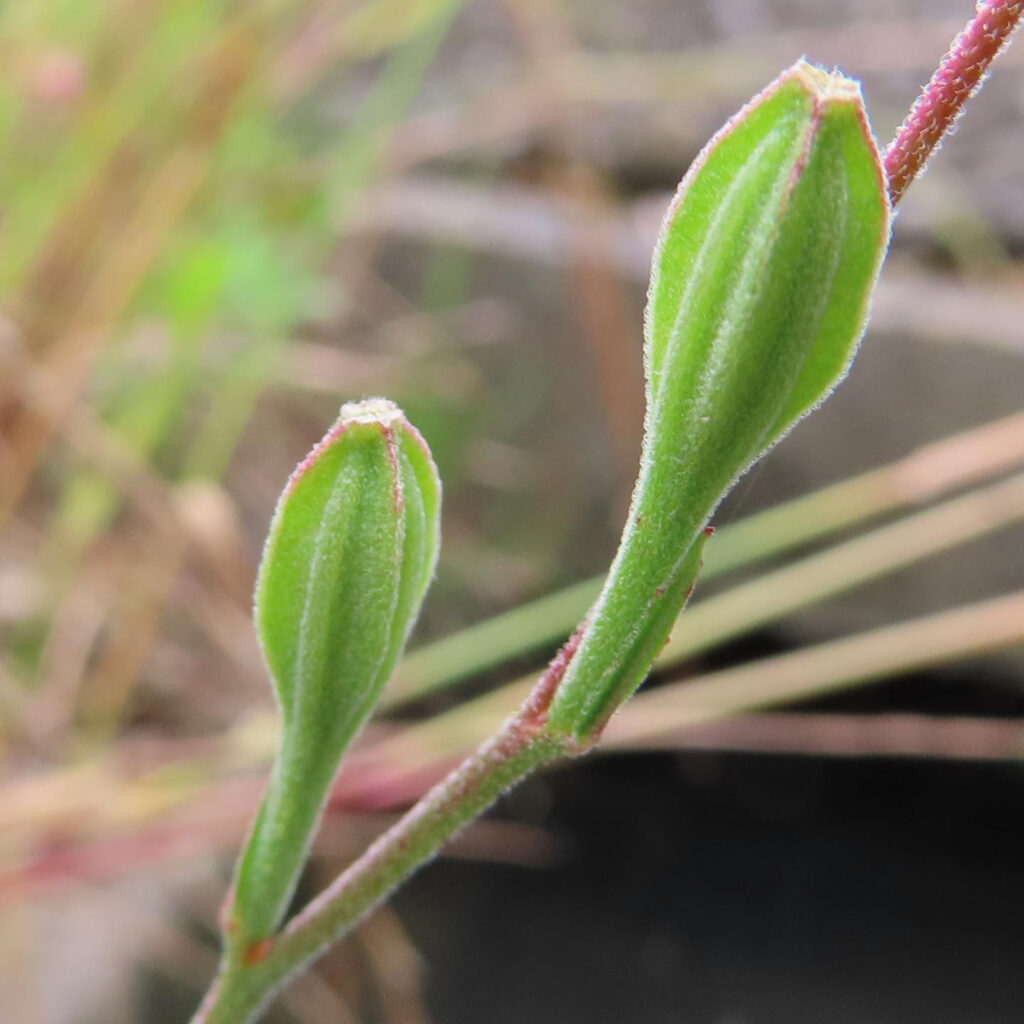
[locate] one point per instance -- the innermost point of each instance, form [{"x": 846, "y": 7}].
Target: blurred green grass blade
[
  {"x": 230, "y": 411},
  {"x": 352, "y": 162},
  {"x": 869, "y": 556},
  {"x": 147, "y": 407},
  {"x": 824, "y": 669},
  {"x": 397, "y": 86},
  {"x": 45, "y": 186},
  {"x": 403, "y": 762},
  {"x": 142, "y": 420},
  {"x": 923, "y": 475},
  {"x": 262, "y": 302},
  {"x": 383, "y": 25}
]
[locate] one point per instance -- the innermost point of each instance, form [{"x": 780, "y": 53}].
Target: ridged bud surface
[
  {"x": 759, "y": 295},
  {"x": 351, "y": 550}
]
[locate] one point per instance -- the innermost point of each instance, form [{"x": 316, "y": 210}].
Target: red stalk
[{"x": 958, "y": 76}]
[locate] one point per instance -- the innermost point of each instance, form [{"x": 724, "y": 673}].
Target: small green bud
[
  {"x": 351, "y": 550},
  {"x": 759, "y": 295}
]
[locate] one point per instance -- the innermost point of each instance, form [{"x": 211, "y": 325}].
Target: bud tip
[
  {"x": 370, "y": 410},
  {"x": 824, "y": 85}
]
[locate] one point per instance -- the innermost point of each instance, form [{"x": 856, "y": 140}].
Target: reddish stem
[{"x": 957, "y": 78}]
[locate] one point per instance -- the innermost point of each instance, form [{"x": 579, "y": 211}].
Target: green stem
[{"x": 248, "y": 978}]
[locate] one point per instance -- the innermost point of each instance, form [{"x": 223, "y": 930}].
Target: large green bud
[
  {"x": 759, "y": 295},
  {"x": 351, "y": 550}
]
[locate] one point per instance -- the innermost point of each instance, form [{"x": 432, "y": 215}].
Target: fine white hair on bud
[
  {"x": 350, "y": 553},
  {"x": 760, "y": 289}
]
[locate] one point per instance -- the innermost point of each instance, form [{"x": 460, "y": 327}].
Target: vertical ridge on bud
[
  {"x": 350, "y": 553},
  {"x": 760, "y": 289}
]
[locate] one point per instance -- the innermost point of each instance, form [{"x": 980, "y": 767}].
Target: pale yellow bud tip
[
  {"x": 827, "y": 86},
  {"x": 371, "y": 410}
]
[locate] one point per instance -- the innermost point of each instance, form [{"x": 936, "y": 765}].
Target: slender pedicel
[{"x": 957, "y": 78}]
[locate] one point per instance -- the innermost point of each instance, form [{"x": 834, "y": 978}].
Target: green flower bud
[
  {"x": 759, "y": 295},
  {"x": 351, "y": 550}
]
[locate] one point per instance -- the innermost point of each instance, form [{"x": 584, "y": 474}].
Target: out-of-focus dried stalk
[
  {"x": 70, "y": 345},
  {"x": 181, "y": 809}
]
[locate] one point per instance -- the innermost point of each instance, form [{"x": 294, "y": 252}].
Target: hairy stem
[
  {"x": 957, "y": 78},
  {"x": 248, "y": 978}
]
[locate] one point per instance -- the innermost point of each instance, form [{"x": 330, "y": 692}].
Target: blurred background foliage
[{"x": 218, "y": 220}]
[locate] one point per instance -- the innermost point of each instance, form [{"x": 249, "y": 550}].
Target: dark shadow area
[{"x": 728, "y": 889}]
